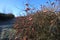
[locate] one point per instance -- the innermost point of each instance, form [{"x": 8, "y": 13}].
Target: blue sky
[{"x": 13, "y": 5}]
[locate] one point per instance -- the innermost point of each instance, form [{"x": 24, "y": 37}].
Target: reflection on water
[{"x": 6, "y": 29}]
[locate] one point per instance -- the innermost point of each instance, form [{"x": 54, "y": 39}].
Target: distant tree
[{"x": 6, "y": 16}]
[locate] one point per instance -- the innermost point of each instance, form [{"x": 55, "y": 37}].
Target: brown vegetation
[{"x": 39, "y": 26}]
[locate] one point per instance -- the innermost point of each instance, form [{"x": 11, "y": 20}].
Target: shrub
[{"x": 39, "y": 26}]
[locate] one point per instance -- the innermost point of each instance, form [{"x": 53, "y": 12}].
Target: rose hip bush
[{"x": 38, "y": 26}]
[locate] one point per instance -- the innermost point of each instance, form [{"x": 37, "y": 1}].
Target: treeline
[{"x": 4, "y": 17}]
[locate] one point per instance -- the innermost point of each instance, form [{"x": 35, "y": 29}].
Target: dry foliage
[{"x": 39, "y": 26}]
